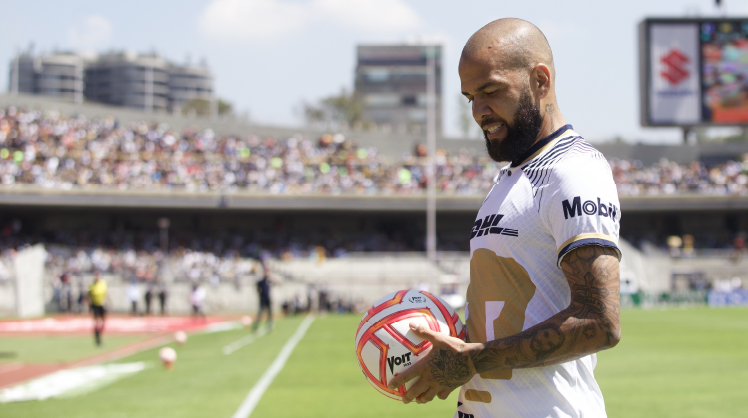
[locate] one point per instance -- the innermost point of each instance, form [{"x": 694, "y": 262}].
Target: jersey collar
[{"x": 540, "y": 146}]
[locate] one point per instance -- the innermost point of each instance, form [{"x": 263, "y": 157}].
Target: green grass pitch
[{"x": 670, "y": 363}]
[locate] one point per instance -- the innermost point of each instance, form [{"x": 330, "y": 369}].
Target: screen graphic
[{"x": 724, "y": 57}]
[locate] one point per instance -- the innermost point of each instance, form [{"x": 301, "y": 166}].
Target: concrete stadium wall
[{"x": 7, "y": 298}]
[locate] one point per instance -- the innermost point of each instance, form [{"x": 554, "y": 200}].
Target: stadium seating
[{"x": 48, "y": 150}]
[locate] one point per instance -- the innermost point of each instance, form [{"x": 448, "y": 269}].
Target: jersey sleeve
[{"x": 582, "y": 208}]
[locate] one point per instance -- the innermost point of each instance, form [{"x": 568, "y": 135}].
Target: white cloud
[
  {"x": 259, "y": 20},
  {"x": 241, "y": 20},
  {"x": 91, "y": 32},
  {"x": 372, "y": 15}
]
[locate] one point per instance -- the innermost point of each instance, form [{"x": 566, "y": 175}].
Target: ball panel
[{"x": 370, "y": 359}]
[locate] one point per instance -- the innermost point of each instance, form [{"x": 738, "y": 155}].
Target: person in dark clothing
[
  {"x": 148, "y": 297},
  {"x": 162, "y": 294},
  {"x": 263, "y": 291}
]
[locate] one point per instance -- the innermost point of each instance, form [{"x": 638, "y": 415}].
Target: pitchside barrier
[
  {"x": 29, "y": 271},
  {"x": 737, "y": 297},
  {"x": 356, "y": 279}
]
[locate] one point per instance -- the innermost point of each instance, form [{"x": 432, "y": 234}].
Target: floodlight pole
[
  {"x": 16, "y": 76},
  {"x": 149, "y": 89},
  {"x": 431, "y": 154}
]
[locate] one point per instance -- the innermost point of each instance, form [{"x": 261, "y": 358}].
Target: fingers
[
  {"x": 406, "y": 376},
  {"x": 427, "y": 396},
  {"x": 415, "y": 391},
  {"x": 444, "y": 393},
  {"x": 423, "y": 331}
]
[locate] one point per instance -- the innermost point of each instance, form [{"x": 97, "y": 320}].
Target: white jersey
[{"x": 560, "y": 197}]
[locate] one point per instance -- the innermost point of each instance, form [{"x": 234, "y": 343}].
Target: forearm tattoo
[
  {"x": 590, "y": 323},
  {"x": 449, "y": 368}
]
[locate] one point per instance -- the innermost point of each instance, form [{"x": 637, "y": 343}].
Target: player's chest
[{"x": 508, "y": 218}]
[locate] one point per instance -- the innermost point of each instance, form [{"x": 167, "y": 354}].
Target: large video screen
[
  {"x": 694, "y": 72},
  {"x": 724, "y": 67}
]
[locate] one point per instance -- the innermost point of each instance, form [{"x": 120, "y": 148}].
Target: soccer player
[
  {"x": 263, "y": 292},
  {"x": 544, "y": 283},
  {"x": 97, "y": 296}
]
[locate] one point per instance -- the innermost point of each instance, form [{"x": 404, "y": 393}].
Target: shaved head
[
  {"x": 506, "y": 71},
  {"x": 511, "y": 44}
]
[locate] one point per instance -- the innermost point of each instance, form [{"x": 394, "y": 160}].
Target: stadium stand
[
  {"x": 46, "y": 149},
  {"x": 133, "y": 170}
]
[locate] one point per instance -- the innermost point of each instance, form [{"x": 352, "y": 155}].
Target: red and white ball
[
  {"x": 386, "y": 346},
  {"x": 246, "y": 320},
  {"x": 180, "y": 337},
  {"x": 168, "y": 356}
]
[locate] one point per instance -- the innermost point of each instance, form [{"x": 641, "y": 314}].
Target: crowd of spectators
[
  {"x": 47, "y": 149},
  {"x": 190, "y": 256},
  {"x": 668, "y": 177}
]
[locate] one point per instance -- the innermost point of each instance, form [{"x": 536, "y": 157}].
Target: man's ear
[{"x": 541, "y": 80}]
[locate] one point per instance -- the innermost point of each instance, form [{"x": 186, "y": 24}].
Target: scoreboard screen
[{"x": 694, "y": 72}]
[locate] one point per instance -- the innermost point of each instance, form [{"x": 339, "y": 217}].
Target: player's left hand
[{"x": 445, "y": 368}]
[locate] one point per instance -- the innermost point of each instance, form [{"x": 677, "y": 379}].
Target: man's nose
[{"x": 480, "y": 109}]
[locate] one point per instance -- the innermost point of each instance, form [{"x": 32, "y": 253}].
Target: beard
[{"x": 520, "y": 135}]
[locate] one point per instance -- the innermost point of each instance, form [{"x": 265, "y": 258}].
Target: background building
[
  {"x": 391, "y": 85},
  {"x": 58, "y": 75},
  {"x": 146, "y": 82},
  {"x": 124, "y": 79},
  {"x": 188, "y": 82}
]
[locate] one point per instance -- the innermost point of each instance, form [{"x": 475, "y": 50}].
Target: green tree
[
  {"x": 334, "y": 111},
  {"x": 202, "y": 107},
  {"x": 465, "y": 117}
]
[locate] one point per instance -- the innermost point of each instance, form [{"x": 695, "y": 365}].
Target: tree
[
  {"x": 465, "y": 117},
  {"x": 341, "y": 110},
  {"x": 202, "y": 107}
]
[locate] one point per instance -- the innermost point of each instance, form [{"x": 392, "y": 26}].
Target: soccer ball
[
  {"x": 386, "y": 346},
  {"x": 168, "y": 356},
  {"x": 246, "y": 320},
  {"x": 180, "y": 337}
]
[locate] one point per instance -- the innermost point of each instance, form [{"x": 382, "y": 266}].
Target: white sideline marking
[
  {"x": 222, "y": 326},
  {"x": 255, "y": 394},
  {"x": 249, "y": 339},
  {"x": 70, "y": 382}
]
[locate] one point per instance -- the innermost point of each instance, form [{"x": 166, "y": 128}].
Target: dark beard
[{"x": 521, "y": 134}]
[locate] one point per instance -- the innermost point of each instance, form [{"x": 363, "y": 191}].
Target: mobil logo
[
  {"x": 589, "y": 207},
  {"x": 675, "y": 69}
]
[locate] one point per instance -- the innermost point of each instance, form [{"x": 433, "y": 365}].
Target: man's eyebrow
[
  {"x": 484, "y": 87},
  {"x": 489, "y": 84}
]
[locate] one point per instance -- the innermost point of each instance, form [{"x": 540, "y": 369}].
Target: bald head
[{"x": 511, "y": 44}]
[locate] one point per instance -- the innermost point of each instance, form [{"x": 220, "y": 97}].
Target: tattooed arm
[{"x": 589, "y": 324}]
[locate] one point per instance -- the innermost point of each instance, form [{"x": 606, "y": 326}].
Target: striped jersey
[{"x": 559, "y": 197}]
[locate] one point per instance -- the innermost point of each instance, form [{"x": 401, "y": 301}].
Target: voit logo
[
  {"x": 589, "y": 207},
  {"x": 417, "y": 299},
  {"x": 675, "y": 66},
  {"x": 490, "y": 225},
  {"x": 403, "y": 360}
]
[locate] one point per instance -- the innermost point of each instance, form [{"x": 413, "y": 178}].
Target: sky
[{"x": 270, "y": 56}]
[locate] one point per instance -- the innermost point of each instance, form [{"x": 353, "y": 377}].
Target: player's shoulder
[
  {"x": 565, "y": 158},
  {"x": 572, "y": 157}
]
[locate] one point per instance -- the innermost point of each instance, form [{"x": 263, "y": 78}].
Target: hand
[{"x": 445, "y": 368}]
